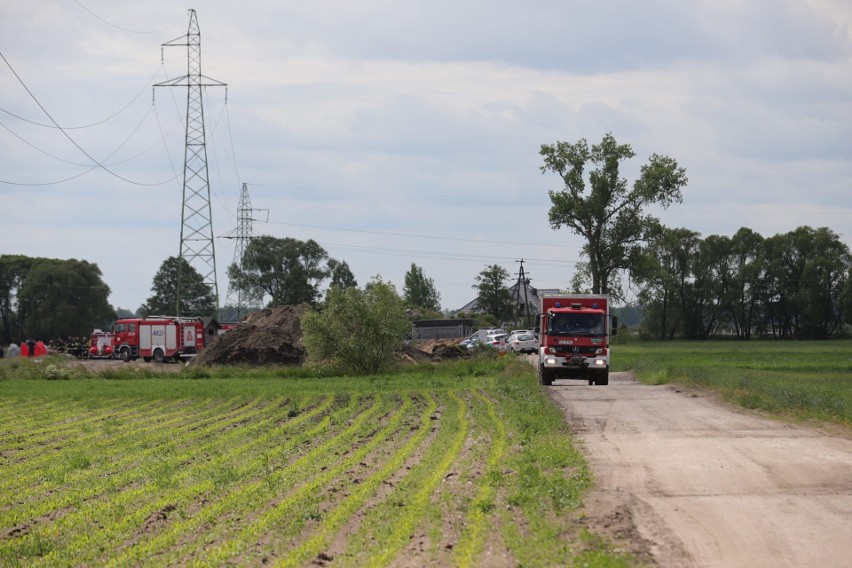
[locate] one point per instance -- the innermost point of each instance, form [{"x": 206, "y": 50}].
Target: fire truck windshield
[{"x": 576, "y": 324}]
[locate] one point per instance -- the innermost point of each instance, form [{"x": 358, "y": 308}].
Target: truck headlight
[
  {"x": 550, "y": 360},
  {"x": 600, "y": 362}
]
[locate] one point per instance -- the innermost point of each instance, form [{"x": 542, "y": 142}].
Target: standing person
[{"x": 31, "y": 347}]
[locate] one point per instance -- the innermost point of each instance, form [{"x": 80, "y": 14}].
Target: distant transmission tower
[
  {"x": 520, "y": 296},
  {"x": 243, "y": 233},
  {"x": 196, "y": 231}
]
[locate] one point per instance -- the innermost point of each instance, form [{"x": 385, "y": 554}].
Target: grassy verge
[
  {"x": 804, "y": 380},
  {"x": 463, "y": 463}
]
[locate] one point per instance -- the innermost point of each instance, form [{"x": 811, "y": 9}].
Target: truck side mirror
[{"x": 614, "y": 325}]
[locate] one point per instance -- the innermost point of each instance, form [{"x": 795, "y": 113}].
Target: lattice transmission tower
[
  {"x": 196, "y": 231},
  {"x": 521, "y": 297},
  {"x": 242, "y": 235}
]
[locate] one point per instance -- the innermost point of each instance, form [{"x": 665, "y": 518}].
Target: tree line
[
  {"x": 51, "y": 298},
  {"x": 792, "y": 285}
]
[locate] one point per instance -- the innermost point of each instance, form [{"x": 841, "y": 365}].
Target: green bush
[
  {"x": 361, "y": 331},
  {"x": 55, "y": 373}
]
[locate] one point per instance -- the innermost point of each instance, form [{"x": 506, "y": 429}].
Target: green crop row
[{"x": 438, "y": 464}]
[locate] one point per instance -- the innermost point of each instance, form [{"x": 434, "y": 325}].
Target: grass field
[
  {"x": 464, "y": 463},
  {"x": 807, "y": 380},
  {"x": 459, "y": 464}
]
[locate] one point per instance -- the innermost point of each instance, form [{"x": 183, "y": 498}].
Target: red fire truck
[
  {"x": 157, "y": 338},
  {"x": 574, "y": 332}
]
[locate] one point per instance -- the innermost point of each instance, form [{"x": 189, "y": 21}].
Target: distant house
[{"x": 526, "y": 299}]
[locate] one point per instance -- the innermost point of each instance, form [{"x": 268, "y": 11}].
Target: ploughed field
[{"x": 469, "y": 465}]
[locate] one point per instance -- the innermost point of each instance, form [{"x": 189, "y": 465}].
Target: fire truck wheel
[
  {"x": 146, "y": 359},
  {"x": 544, "y": 377},
  {"x": 601, "y": 378},
  {"x": 125, "y": 355},
  {"x": 158, "y": 356}
]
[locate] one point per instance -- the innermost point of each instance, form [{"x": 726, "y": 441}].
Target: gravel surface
[{"x": 683, "y": 480}]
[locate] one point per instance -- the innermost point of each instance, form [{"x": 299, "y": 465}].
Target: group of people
[
  {"x": 28, "y": 348},
  {"x": 74, "y": 346}
]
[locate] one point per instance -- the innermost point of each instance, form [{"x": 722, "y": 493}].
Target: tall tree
[
  {"x": 846, "y": 298},
  {"x": 360, "y": 330},
  {"x": 419, "y": 290},
  {"x": 701, "y": 291},
  {"x": 196, "y": 299},
  {"x": 826, "y": 266},
  {"x": 64, "y": 297},
  {"x": 664, "y": 271},
  {"x": 746, "y": 286},
  {"x": 608, "y": 215},
  {"x": 493, "y": 296},
  {"x": 289, "y": 270},
  {"x": 14, "y": 269},
  {"x": 341, "y": 274}
]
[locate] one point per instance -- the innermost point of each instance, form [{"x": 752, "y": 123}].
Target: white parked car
[
  {"x": 522, "y": 343},
  {"x": 497, "y": 340}
]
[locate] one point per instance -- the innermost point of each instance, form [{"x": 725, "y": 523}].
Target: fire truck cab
[{"x": 575, "y": 335}]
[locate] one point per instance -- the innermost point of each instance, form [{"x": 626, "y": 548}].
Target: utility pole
[
  {"x": 242, "y": 234},
  {"x": 523, "y": 283},
  {"x": 196, "y": 230}
]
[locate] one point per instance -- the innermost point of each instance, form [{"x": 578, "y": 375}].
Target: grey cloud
[{"x": 574, "y": 36}]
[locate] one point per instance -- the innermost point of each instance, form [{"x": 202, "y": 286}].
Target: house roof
[{"x": 522, "y": 293}]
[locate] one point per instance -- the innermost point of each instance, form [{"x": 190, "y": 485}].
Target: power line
[
  {"x": 104, "y": 20},
  {"x": 441, "y": 255},
  {"x": 394, "y": 234},
  {"x": 111, "y": 154},
  {"x": 68, "y": 136},
  {"x": 110, "y": 117},
  {"x": 302, "y": 189}
]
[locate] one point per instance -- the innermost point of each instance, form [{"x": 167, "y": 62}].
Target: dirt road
[{"x": 687, "y": 481}]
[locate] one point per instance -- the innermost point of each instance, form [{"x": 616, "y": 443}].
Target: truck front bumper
[{"x": 555, "y": 362}]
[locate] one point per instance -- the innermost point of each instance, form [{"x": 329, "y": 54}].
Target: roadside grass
[
  {"x": 802, "y": 380},
  {"x": 434, "y": 464}
]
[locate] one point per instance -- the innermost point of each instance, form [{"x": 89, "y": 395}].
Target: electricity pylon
[
  {"x": 242, "y": 234},
  {"x": 520, "y": 296},
  {"x": 196, "y": 230}
]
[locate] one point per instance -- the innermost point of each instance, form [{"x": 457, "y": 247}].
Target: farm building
[{"x": 442, "y": 329}]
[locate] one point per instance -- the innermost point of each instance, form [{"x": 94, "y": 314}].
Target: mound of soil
[
  {"x": 443, "y": 349},
  {"x": 274, "y": 337},
  {"x": 444, "y": 352},
  {"x": 271, "y": 336}
]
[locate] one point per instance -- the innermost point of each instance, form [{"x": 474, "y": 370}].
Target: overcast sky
[{"x": 395, "y": 131}]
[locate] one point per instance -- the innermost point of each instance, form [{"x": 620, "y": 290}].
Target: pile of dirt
[
  {"x": 444, "y": 349},
  {"x": 272, "y": 336},
  {"x": 445, "y": 352},
  {"x": 414, "y": 354}
]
